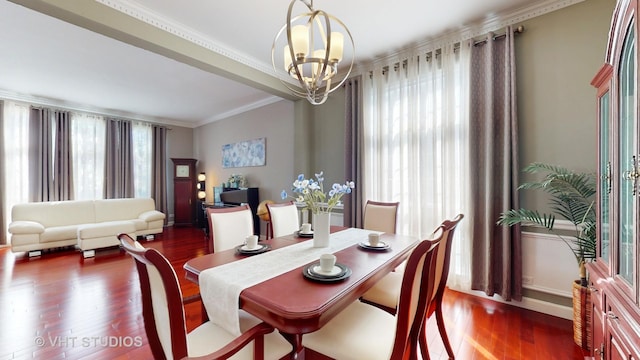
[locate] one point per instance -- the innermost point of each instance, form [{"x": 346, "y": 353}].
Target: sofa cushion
[
  {"x": 58, "y": 233},
  {"x": 55, "y": 213},
  {"x": 109, "y": 228},
  {"x": 25, "y": 227},
  {"x": 122, "y": 209}
]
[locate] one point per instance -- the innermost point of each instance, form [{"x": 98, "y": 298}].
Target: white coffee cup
[
  {"x": 327, "y": 262},
  {"x": 306, "y": 228},
  {"x": 374, "y": 239},
  {"x": 251, "y": 241}
]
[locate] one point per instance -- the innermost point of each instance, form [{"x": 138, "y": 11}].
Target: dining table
[{"x": 285, "y": 298}]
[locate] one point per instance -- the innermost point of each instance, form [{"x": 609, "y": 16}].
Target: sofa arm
[
  {"x": 26, "y": 227},
  {"x": 151, "y": 215}
]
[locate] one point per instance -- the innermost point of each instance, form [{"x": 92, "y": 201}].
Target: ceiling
[{"x": 53, "y": 62}]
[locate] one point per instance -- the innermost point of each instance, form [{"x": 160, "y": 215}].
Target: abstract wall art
[{"x": 244, "y": 153}]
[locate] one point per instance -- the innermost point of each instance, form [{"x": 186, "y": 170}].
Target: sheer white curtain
[
  {"x": 416, "y": 144},
  {"x": 16, "y": 152},
  {"x": 88, "y": 134},
  {"x": 142, "y": 158}
]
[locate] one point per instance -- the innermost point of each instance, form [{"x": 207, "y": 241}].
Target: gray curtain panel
[
  {"x": 3, "y": 172},
  {"x": 496, "y": 264},
  {"x": 159, "y": 169},
  {"x": 119, "y": 160},
  {"x": 50, "y": 170},
  {"x": 353, "y": 204}
]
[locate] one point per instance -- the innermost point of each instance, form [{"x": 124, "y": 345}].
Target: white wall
[{"x": 275, "y": 122}]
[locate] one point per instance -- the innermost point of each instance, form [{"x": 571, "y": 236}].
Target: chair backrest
[
  {"x": 162, "y": 310},
  {"x": 418, "y": 285},
  {"x": 443, "y": 257},
  {"x": 284, "y": 218},
  {"x": 229, "y": 227},
  {"x": 380, "y": 216}
]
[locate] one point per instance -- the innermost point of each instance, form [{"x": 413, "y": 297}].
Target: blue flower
[{"x": 310, "y": 192}]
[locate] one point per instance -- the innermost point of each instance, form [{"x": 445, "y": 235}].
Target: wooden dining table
[{"x": 295, "y": 305}]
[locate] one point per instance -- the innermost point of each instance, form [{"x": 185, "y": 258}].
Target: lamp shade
[{"x": 202, "y": 177}]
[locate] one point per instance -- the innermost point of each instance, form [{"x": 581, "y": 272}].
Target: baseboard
[{"x": 564, "y": 312}]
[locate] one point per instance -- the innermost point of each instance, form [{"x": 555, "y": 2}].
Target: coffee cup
[
  {"x": 306, "y": 228},
  {"x": 374, "y": 239},
  {"x": 251, "y": 241},
  {"x": 327, "y": 262}
]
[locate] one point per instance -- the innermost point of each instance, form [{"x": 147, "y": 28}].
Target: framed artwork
[{"x": 244, "y": 153}]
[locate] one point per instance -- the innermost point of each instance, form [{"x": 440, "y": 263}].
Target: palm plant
[{"x": 572, "y": 198}]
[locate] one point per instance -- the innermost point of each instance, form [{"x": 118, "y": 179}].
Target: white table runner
[{"x": 220, "y": 286}]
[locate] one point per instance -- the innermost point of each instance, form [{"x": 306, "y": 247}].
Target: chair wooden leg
[
  {"x": 442, "y": 329},
  {"x": 422, "y": 341}
]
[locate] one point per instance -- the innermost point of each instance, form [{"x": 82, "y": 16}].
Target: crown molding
[
  {"x": 149, "y": 17},
  {"x": 72, "y": 106},
  {"x": 242, "y": 109},
  {"x": 493, "y": 23}
]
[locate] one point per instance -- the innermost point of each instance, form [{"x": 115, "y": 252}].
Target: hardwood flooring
[{"x": 60, "y": 306}]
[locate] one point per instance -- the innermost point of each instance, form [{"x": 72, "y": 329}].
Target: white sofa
[{"x": 88, "y": 224}]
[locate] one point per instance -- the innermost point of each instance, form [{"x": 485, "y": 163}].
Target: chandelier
[{"x": 314, "y": 47}]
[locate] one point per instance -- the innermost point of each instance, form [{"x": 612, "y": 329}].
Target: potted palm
[{"x": 572, "y": 197}]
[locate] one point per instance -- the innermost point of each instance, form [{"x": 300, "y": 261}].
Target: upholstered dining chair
[
  {"x": 284, "y": 218},
  {"x": 386, "y": 292},
  {"x": 164, "y": 318},
  {"x": 362, "y": 331},
  {"x": 229, "y": 227},
  {"x": 380, "y": 216}
]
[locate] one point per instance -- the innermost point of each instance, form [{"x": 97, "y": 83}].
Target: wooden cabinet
[
  {"x": 184, "y": 192},
  {"x": 613, "y": 277}
]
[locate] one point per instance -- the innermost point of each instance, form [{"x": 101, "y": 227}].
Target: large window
[
  {"x": 416, "y": 143},
  {"x": 88, "y": 147},
  {"x": 16, "y": 161}
]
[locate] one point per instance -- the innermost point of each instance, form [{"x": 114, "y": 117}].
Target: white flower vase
[{"x": 321, "y": 229}]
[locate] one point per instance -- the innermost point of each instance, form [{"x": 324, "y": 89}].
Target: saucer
[
  {"x": 244, "y": 250},
  {"x": 247, "y": 248},
  {"x": 381, "y": 245},
  {"x": 304, "y": 235},
  {"x": 309, "y": 273},
  {"x": 317, "y": 270}
]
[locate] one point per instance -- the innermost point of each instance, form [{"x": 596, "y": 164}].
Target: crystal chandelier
[{"x": 314, "y": 47}]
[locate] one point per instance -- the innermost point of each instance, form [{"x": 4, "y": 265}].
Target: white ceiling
[{"x": 49, "y": 61}]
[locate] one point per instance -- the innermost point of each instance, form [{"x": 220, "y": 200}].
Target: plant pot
[{"x": 582, "y": 309}]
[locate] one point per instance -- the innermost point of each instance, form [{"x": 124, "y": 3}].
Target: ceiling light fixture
[{"x": 315, "y": 46}]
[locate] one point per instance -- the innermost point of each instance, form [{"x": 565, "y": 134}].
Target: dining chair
[
  {"x": 284, "y": 218},
  {"x": 362, "y": 331},
  {"x": 380, "y": 216},
  {"x": 385, "y": 293},
  {"x": 229, "y": 226},
  {"x": 164, "y": 318}
]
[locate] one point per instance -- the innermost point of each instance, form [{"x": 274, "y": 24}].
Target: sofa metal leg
[
  {"x": 35, "y": 253},
  {"x": 88, "y": 253}
]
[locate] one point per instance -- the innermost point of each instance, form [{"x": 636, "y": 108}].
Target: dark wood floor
[{"x": 59, "y": 306}]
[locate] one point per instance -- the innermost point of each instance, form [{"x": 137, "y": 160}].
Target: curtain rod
[
  {"x": 436, "y": 52},
  {"x": 57, "y": 108},
  {"x": 517, "y": 30}
]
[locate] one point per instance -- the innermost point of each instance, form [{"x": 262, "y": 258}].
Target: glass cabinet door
[
  {"x": 627, "y": 159},
  {"x": 604, "y": 232}
]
